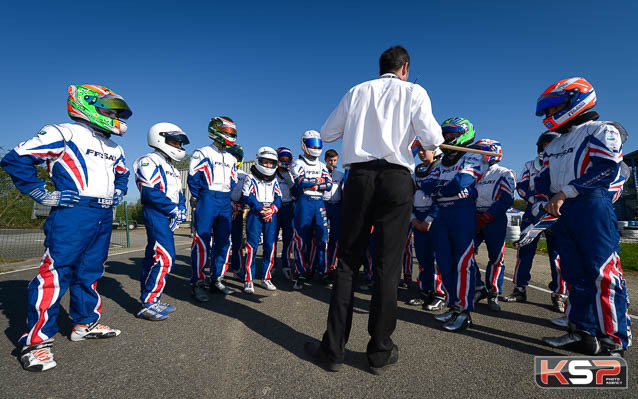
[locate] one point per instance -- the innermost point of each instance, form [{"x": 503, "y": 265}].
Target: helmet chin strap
[
  {"x": 219, "y": 145},
  {"x": 310, "y": 157}
]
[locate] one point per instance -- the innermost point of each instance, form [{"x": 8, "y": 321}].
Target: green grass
[{"x": 628, "y": 253}]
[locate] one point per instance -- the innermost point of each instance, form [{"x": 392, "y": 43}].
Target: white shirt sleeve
[
  {"x": 332, "y": 129},
  {"x": 426, "y": 128}
]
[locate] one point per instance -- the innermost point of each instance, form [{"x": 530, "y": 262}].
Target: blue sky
[{"x": 279, "y": 68}]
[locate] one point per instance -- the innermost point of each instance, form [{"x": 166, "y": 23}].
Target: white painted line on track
[
  {"x": 544, "y": 290},
  {"x": 119, "y": 253}
]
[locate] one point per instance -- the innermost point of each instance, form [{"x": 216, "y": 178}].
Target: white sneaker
[
  {"x": 561, "y": 321},
  {"x": 82, "y": 331},
  {"x": 268, "y": 285},
  {"x": 38, "y": 357},
  {"x": 248, "y": 288}
]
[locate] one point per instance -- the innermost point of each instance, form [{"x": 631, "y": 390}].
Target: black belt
[{"x": 377, "y": 164}]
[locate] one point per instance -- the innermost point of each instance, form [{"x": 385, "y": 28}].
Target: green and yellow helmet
[
  {"x": 463, "y": 129},
  {"x": 238, "y": 152},
  {"x": 102, "y": 108}
]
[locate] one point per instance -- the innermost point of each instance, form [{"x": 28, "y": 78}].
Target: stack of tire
[{"x": 513, "y": 229}]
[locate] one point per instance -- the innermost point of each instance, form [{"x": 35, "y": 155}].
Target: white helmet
[
  {"x": 160, "y": 132},
  {"x": 266, "y": 153},
  {"x": 311, "y": 143}
]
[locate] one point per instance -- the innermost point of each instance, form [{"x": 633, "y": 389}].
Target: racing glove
[
  {"x": 117, "y": 197},
  {"x": 268, "y": 212},
  {"x": 66, "y": 198},
  {"x": 174, "y": 219}
]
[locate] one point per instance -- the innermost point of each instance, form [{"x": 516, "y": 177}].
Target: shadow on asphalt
[
  {"x": 16, "y": 311},
  {"x": 426, "y": 319},
  {"x": 178, "y": 287}
]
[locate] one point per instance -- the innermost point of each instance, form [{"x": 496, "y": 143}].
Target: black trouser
[{"x": 376, "y": 194}]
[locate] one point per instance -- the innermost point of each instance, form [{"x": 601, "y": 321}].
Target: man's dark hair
[
  {"x": 331, "y": 154},
  {"x": 392, "y": 59}
]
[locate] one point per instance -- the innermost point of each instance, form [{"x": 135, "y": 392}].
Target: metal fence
[{"x": 22, "y": 237}]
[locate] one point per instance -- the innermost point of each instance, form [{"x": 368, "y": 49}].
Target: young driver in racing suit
[
  {"x": 311, "y": 181},
  {"x": 262, "y": 194},
  {"x": 285, "y": 215},
  {"x": 164, "y": 208},
  {"x": 237, "y": 230},
  {"x": 452, "y": 184},
  {"x": 212, "y": 176},
  {"x": 90, "y": 177},
  {"x": 578, "y": 169},
  {"x": 431, "y": 293},
  {"x": 525, "y": 254},
  {"x": 495, "y": 197}
]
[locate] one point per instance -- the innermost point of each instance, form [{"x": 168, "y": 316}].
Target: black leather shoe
[
  {"x": 394, "y": 357},
  {"x": 459, "y": 321},
  {"x": 319, "y": 357},
  {"x": 444, "y": 317}
]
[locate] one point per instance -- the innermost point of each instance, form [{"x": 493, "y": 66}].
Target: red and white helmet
[
  {"x": 578, "y": 95},
  {"x": 491, "y": 146}
]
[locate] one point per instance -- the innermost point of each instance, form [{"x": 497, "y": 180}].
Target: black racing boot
[
  {"x": 492, "y": 303},
  {"x": 579, "y": 340},
  {"x": 609, "y": 348},
  {"x": 558, "y": 302},
  {"x": 437, "y": 303},
  {"x": 480, "y": 295},
  {"x": 424, "y": 298},
  {"x": 518, "y": 295}
]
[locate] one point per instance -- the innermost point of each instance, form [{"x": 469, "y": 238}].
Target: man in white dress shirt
[{"x": 377, "y": 120}]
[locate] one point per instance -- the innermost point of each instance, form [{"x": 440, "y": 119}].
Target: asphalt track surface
[{"x": 251, "y": 346}]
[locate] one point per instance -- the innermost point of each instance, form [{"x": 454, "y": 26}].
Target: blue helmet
[{"x": 284, "y": 152}]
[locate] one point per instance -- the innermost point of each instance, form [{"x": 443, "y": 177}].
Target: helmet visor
[
  {"x": 314, "y": 143},
  {"x": 549, "y": 100},
  {"x": 176, "y": 136},
  {"x": 111, "y": 102}
]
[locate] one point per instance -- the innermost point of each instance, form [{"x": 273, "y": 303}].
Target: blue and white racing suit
[
  {"x": 495, "y": 196},
  {"x": 211, "y": 177},
  {"x": 454, "y": 189},
  {"x": 583, "y": 163},
  {"x": 285, "y": 216},
  {"x": 160, "y": 186},
  {"x": 525, "y": 254},
  {"x": 237, "y": 230},
  {"x": 332, "y": 200},
  {"x": 310, "y": 213},
  {"x": 429, "y": 279},
  {"x": 77, "y": 238},
  {"x": 260, "y": 194}
]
